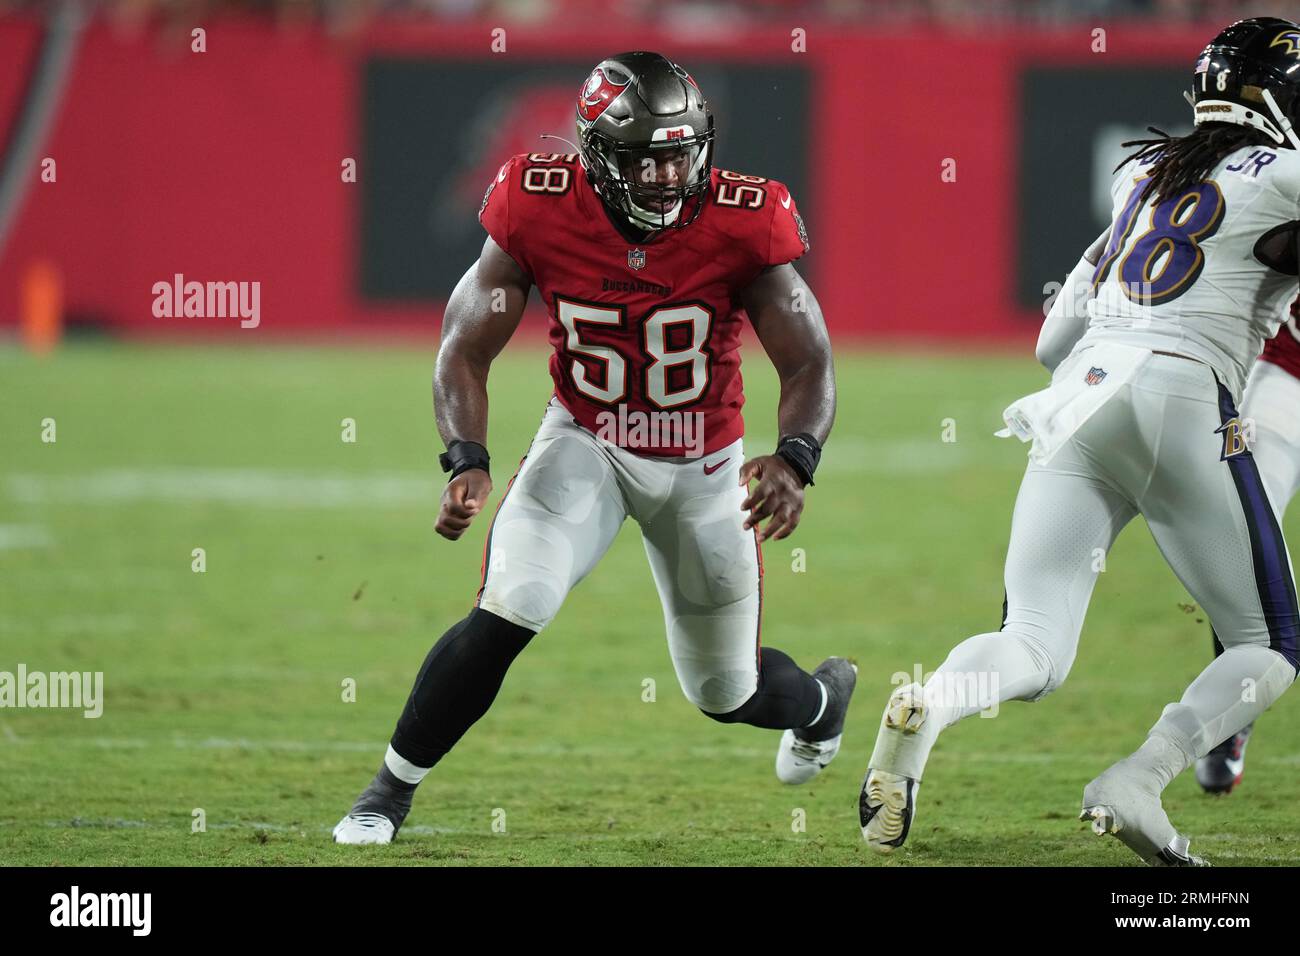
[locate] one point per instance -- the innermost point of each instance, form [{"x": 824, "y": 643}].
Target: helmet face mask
[
  {"x": 653, "y": 187},
  {"x": 1249, "y": 75},
  {"x": 646, "y": 140}
]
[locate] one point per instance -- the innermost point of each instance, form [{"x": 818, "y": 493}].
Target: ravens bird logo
[{"x": 1290, "y": 40}]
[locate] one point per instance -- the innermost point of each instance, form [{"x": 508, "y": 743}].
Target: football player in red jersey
[
  {"x": 1271, "y": 403},
  {"x": 649, "y": 261}
]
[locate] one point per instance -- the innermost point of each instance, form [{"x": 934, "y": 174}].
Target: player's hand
[
  {"x": 778, "y": 494},
  {"x": 462, "y": 499}
]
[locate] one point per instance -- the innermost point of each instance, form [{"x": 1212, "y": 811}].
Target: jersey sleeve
[
  {"x": 1122, "y": 184},
  {"x": 494, "y": 214},
  {"x": 787, "y": 238}
]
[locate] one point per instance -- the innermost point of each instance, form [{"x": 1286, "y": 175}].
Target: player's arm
[
  {"x": 482, "y": 313},
  {"x": 1068, "y": 318},
  {"x": 789, "y": 324}
]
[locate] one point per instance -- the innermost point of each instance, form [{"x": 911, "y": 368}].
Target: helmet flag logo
[{"x": 597, "y": 94}]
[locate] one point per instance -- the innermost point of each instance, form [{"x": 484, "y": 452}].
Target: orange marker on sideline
[{"x": 41, "y": 307}]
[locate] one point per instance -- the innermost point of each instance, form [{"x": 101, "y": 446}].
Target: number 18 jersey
[
  {"x": 1182, "y": 275},
  {"x": 643, "y": 331}
]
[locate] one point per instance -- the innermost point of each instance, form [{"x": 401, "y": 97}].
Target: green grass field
[{"x": 224, "y": 689}]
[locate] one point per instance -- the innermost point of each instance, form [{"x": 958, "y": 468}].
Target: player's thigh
[
  {"x": 556, "y": 520},
  {"x": 1210, "y": 514},
  {"x": 1269, "y": 409},
  {"x": 1066, "y": 518},
  {"x": 706, "y": 568}
]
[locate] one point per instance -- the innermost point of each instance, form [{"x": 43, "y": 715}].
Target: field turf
[{"x": 224, "y": 689}]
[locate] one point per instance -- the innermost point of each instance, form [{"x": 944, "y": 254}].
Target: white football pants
[
  {"x": 561, "y": 513},
  {"x": 1166, "y": 446}
]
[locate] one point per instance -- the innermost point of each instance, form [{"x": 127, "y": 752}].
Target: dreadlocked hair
[{"x": 1181, "y": 162}]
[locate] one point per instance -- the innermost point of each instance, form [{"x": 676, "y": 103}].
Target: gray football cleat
[
  {"x": 377, "y": 815},
  {"x": 804, "y": 753}
]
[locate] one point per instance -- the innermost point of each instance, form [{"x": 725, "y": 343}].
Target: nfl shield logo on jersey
[
  {"x": 1095, "y": 375},
  {"x": 636, "y": 258}
]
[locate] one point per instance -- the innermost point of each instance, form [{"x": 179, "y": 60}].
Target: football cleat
[
  {"x": 887, "y": 804},
  {"x": 377, "y": 815},
  {"x": 886, "y": 808},
  {"x": 804, "y": 753},
  {"x": 1124, "y": 804},
  {"x": 1220, "y": 770},
  {"x": 364, "y": 828}
]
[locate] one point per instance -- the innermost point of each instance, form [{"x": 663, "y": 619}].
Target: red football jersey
[
  {"x": 1283, "y": 349},
  {"x": 643, "y": 332}
]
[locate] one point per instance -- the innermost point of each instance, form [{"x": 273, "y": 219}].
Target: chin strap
[
  {"x": 1278, "y": 128},
  {"x": 1285, "y": 124},
  {"x": 655, "y": 220},
  {"x": 1225, "y": 111}
]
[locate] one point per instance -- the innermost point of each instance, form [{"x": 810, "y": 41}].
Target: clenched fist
[
  {"x": 779, "y": 493},
  {"x": 462, "y": 499}
]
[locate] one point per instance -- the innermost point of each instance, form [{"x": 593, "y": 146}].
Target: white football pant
[
  {"x": 1167, "y": 446},
  {"x": 562, "y": 511}
]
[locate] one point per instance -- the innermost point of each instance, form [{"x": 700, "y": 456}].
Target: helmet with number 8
[
  {"x": 1249, "y": 75},
  {"x": 645, "y": 138}
]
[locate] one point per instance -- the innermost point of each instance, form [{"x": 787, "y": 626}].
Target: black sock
[
  {"x": 787, "y": 697},
  {"x": 457, "y": 684}
]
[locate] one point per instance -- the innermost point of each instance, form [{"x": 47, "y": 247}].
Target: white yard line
[
  {"x": 15, "y": 537},
  {"x": 254, "y": 486},
  {"x": 276, "y": 488},
  {"x": 702, "y": 752}
]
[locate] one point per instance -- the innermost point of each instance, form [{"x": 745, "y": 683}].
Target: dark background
[{"x": 436, "y": 133}]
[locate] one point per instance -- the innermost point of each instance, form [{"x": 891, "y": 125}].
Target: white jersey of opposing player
[{"x": 1182, "y": 276}]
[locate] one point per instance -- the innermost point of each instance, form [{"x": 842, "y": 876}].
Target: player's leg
[
  {"x": 708, "y": 571},
  {"x": 1269, "y": 411},
  {"x": 1066, "y": 518},
  {"x": 556, "y": 519},
  {"x": 1210, "y": 515}
]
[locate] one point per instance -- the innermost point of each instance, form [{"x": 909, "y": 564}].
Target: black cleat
[{"x": 1220, "y": 770}]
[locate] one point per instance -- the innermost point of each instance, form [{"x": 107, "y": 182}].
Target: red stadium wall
[{"x": 226, "y": 166}]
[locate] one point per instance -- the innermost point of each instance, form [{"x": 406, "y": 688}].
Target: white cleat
[
  {"x": 364, "y": 828},
  {"x": 1122, "y": 803},
  {"x": 798, "y": 761},
  {"x": 906, "y": 710},
  {"x": 887, "y": 804},
  {"x": 886, "y": 808}
]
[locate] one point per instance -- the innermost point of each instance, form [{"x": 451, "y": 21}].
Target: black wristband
[
  {"x": 801, "y": 452},
  {"x": 462, "y": 456}
]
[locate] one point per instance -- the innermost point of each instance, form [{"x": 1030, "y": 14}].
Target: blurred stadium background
[
  {"x": 225, "y": 165},
  {"x": 951, "y": 160}
]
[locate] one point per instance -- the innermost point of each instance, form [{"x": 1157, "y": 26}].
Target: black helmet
[
  {"x": 1245, "y": 67},
  {"x": 635, "y": 112}
]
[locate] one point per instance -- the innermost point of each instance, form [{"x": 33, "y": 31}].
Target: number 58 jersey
[
  {"x": 646, "y": 336},
  {"x": 1190, "y": 274}
]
